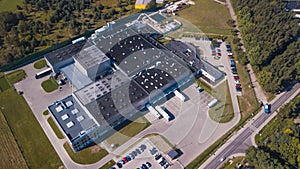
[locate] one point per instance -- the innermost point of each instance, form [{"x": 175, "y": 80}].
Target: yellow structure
[{"x": 140, "y": 6}]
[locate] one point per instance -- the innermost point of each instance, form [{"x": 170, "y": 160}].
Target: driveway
[{"x": 192, "y": 131}]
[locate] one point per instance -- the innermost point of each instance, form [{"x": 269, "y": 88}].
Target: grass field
[
  {"x": 4, "y": 84},
  {"x": 222, "y": 112},
  {"x": 128, "y": 131},
  {"x": 209, "y": 16},
  {"x": 247, "y": 102},
  {"x": 40, "y": 64},
  {"x": 10, "y": 154},
  {"x": 108, "y": 164},
  {"x": 86, "y": 156},
  {"x": 16, "y": 76},
  {"x": 55, "y": 128},
  {"x": 30, "y": 137},
  {"x": 9, "y": 5},
  {"x": 50, "y": 85}
]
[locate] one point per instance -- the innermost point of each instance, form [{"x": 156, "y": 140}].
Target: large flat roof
[
  {"x": 71, "y": 117},
  {"x": 101, "y": 87},
  {"x": 64, "y": 53},
  {"x": 90, "y": 56}
]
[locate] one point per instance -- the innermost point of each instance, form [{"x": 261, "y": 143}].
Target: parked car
[
  {"x": 128, "y": 158},
  {"x": 166, "y": 165},
  {"x": 233, "y": 70},
  {"x": 236, "y": 81},
  {"x": 153, "y": 151},
  {"x": 125, "y": 159},
  {"x": 119, "y": 165},
  {"x": 122, "y": 162},
  {"x": 132, "y": 155},
  {"x": 148, "y": 164},
  {"x": 157, "y": 157},
  {"x": 228, "y": 48},
  {"x": 229, "y": 54},
  {"x": 236, "y": 77},
  {"x": 138, "y": 151},
  {"x": 200, "y": 89}
]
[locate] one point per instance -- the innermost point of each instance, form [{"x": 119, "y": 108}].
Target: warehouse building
[{"x": 117, "y": 74}]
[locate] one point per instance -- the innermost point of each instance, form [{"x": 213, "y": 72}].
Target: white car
[{"x": 236, "y": 81}]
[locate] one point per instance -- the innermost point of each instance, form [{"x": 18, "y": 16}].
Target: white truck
[{"x": 163, "y": 113}]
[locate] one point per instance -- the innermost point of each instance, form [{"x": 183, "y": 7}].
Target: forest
[
  {"x": 279, "y": 142},
  {"x": 39, "y": 24},
  {"x": 270, "y": 35}
]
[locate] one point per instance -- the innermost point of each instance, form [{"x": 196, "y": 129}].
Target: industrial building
[
  {"x": 120, "y": 72},
  {"x": 141, "y": 4}
]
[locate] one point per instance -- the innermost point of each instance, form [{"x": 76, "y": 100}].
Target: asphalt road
[{"x": 248, "y": 131}]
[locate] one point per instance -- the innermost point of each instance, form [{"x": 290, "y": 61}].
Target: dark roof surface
[
  {"x": 64, "y": 53},
  {"x": 127, "y": 99}
]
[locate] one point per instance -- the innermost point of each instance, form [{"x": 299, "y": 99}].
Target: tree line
[
  {"x": 37, "y": 24},
  {"x": 270, "y": 36},
  {"x": 279, "y": 146}
]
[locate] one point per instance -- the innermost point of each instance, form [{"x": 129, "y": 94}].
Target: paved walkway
[{"x": 259, "y": 92}]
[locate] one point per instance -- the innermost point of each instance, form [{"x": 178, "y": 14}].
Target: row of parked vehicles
[
  {"x": 159, "y": 158},
  {"x": 238, "y": 86},
  {"x": 132, "y": 156}
]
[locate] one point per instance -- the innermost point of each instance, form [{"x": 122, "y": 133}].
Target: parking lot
[
  {"x": 35, "y": 95},
  {"x": 140, "y": 154}
]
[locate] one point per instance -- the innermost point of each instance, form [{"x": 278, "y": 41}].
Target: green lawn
[
  {"x": 50, "y": 85},
  {"x": 33, "y": 142},
  {"x": 9, "y": 5},
  {"x": 86, "y": 156},
  {"x": 55, "y": 128},
  {"x": 46, "y": 112},
  {"x": 108, "y": 164},
  {"x": 4, "y": 84},
  {"x": 128, "y": 131},
  {"x": 209, "y": 16},
  {"x": 222, "y": 112},
  {"x": 16, "y": 76},
  {"x": 40, "y": 64}
]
